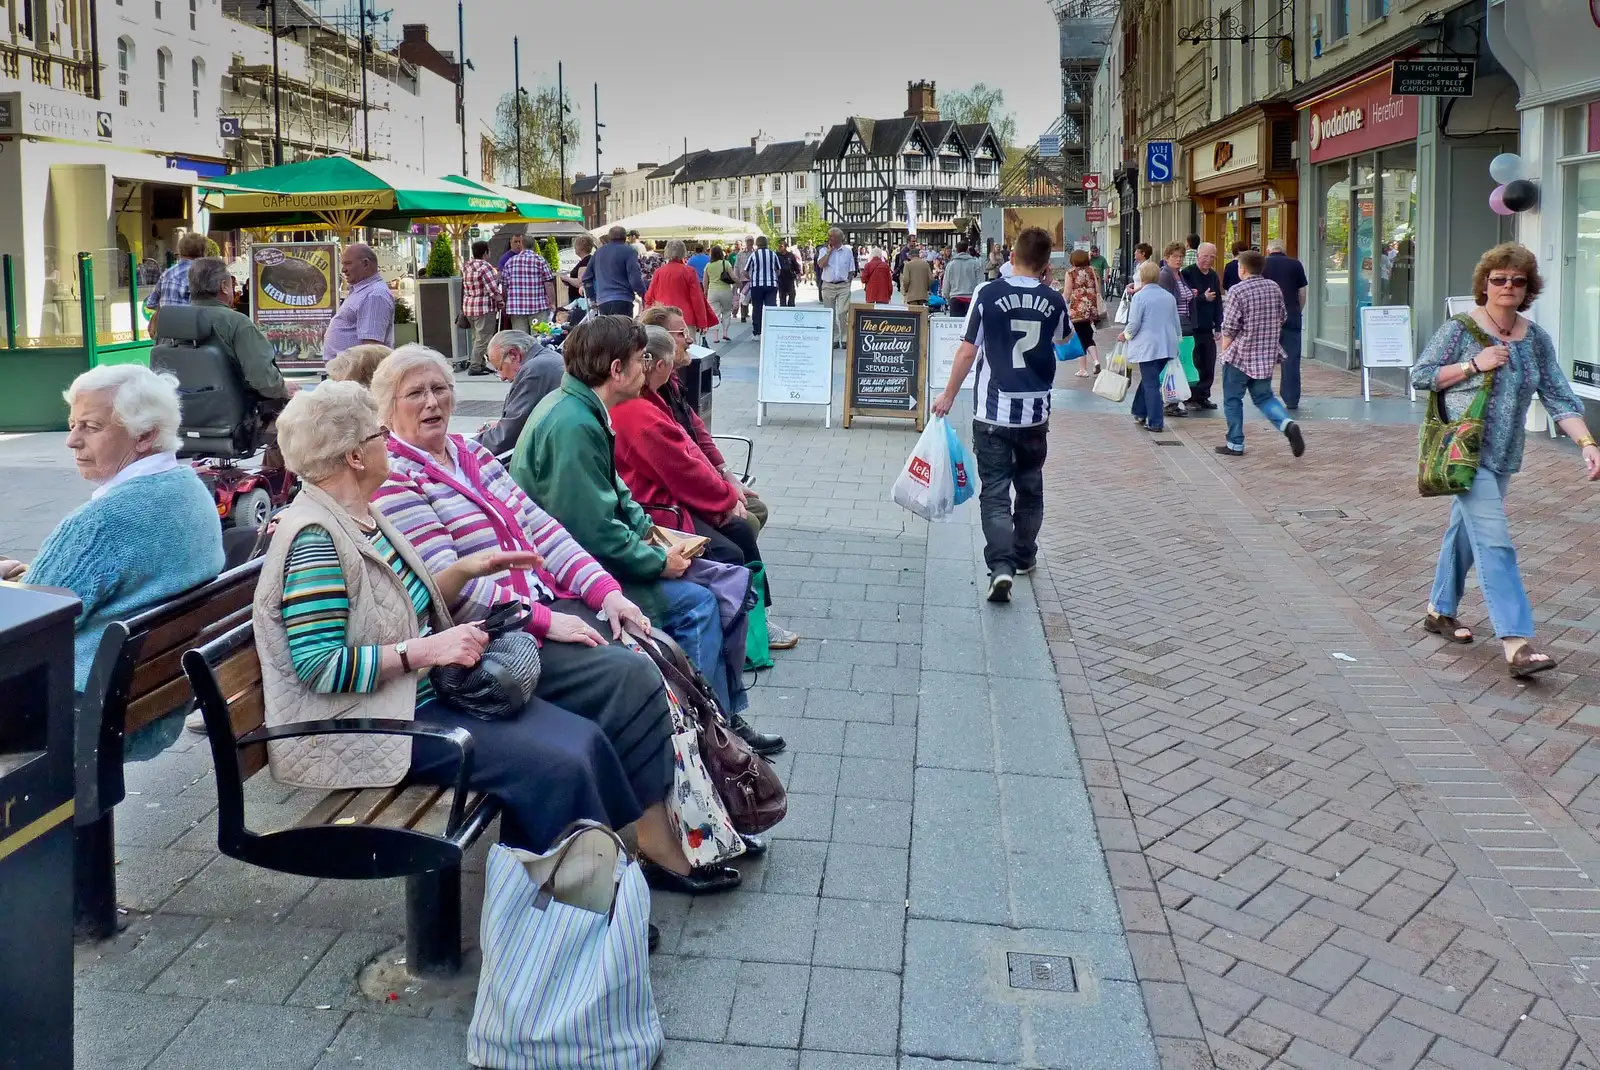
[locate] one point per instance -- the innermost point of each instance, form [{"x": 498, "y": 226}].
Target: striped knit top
[
  {"x": 448, "y": 514},
  {"x": 316, "y": 609}
]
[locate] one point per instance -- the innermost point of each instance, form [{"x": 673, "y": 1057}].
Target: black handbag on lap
[{"x": 502, "y": 683}]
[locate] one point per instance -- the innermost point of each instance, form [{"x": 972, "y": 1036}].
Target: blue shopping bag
[
  {"x": 1071, "y": 349},
  {"x": 960, "y": 468}
]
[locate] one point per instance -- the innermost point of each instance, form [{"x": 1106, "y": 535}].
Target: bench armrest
[
  {"x": 749, "y": 453},
  {"x": 684, "y": 523},
  {"x": 459, "y": 738}
]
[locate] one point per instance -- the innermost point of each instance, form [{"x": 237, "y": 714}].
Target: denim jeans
[
  {"x": 694, "y": 621},
  {"x": 1290, "y": 338},
  {"x": 1147, "y": 403},
  {"x": 1478, "y": 533},
  {"x": 1010, "y": 458},
  {"x": 1234, "y": 385}
]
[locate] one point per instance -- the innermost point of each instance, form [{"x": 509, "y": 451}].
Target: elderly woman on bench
[
  {"x": 451, "y": 499},
  {"x": 149, "y": 530},
  {"x": 349, "y": 619}
]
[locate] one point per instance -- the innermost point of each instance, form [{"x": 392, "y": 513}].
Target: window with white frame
[
  {"x": 197, "y": 71},
  {"x": 799, "y": 182},
  {"x": 163, "y": 64},
  {"x": 747, "y": 190},
  {"x": 194, "y": 14},
  {"x": 124, "y": 67}
]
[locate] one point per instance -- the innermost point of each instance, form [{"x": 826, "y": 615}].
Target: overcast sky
[{"x": 785, "y": 68}]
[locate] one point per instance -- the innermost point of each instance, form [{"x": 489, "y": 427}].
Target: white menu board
[
  {"x": 944, "y": 338},
  {"x": 796, "y": 359},
  {"x": 1386, "y": 340}
]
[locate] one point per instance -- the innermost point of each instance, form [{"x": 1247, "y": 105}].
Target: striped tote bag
[{"x": 565, "y": 982}]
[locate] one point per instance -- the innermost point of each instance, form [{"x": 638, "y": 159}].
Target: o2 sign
[{"x": 1158, "y": 160}]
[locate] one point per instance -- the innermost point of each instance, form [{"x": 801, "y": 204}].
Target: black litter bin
[
  {"x": 36, "y": 796},
  {"x": 697, "y": 384}
]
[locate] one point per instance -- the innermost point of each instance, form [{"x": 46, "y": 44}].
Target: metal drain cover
[
  {"x": 1043, "y": 973},
  {"x": 1323, "y": 514}
]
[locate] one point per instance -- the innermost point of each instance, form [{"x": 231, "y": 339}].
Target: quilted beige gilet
[{"x": 380, "y": 613}]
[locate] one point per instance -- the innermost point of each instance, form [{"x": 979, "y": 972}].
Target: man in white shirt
[{"x": 836, "y": 266}]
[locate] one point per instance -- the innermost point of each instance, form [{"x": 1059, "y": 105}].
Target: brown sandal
[
  {"x": 1447, "y": 627},
  {"x": 1521, "y": 664}
]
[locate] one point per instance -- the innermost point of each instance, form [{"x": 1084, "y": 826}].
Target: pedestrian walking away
[
  {"x": 1020, "y": 319},
  {"x": 1496, "y": 348},
  {"x": 1290, "y": 275},
  {"x": 1083, "y": 302},
  {"x": 613, "y": 279},
  {"x": 530, "y": 289},
  {"x": 788, "y": 274},
  {"x": 481, "y": 301},
  {"x": 961, "y": 280},
  {"x": 836, "y": 266},
  {"x": 761, "y": 268},
  {"x": 1251, "y": 320},
  {"x": 1205, "y": 313}
]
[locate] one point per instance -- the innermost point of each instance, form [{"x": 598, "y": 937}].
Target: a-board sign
[
  {"x": 294, "y": 292},
  {"x": 796, "y": 366},
  {"x": 1454, "y": 306},
  {"x": 1386, "y": 340},
  {"x": 944, "y": 338},
  {"x": 886, "y": 364}
]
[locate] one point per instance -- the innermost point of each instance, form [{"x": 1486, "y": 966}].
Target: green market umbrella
[
  {"x": 528, "y": 207},
  {"x": 341, "y": 193}
]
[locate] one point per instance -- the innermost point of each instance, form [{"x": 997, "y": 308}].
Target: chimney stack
[{"x": 922, "y": 102}]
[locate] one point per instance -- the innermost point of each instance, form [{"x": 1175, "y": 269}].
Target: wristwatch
[{"x": 405, "y": 662}]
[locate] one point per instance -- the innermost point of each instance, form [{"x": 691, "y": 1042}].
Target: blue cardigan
[
  {"x": 140, "y": 543},
  {"x": 1153, "y": 329}
]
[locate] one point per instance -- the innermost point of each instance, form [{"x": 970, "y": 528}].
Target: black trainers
[
  {"x": 1000, "y": 587},
  {"x": 1297, "y": 441}
]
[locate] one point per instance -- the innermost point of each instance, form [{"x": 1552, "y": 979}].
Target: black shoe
[
  {"x": 1000, "y": 587},
  {"x": 1229, "y": 451},
  {"x": 762, "y": 743},
  {"x": 754, "y": 846},
  {"x": 480, "y": 371},
  {"x": 655, "y": 938},
  {"x": 701, "y": 880},
  {"x": 1175, "y": 409},
  {"x": 1209, "y": 406},
  {"x": 1297, "y": 441}
]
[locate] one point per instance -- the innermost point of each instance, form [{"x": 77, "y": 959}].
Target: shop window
[
  {"x": 1397, "y": 216},
  {"x": 1338, "y": 20},
  {"x": 1333, "y": 267},
  {"x": 1580, "y": 341},
  {"x": 124, "y": 67},
  {"x": 197, "y": 71}
]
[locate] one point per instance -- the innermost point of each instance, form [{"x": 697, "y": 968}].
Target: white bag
[
  {"x": 1122, "y": 311},
  {"x": 566, "y": 959},
  {"x": 926, "y": 485},
  {"x": 1111, "y": 385},
  {"x": 705, "y": 830},
  {"x": 1174, "y": 382}
]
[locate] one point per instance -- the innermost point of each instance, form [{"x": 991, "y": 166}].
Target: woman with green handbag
[{"x": 1483, "y": 369}]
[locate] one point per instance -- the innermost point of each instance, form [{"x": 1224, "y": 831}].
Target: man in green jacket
[{"x": 565, "y": 461}]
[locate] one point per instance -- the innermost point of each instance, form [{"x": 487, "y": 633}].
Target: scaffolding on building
[
  {"x": 323, "y": 109},
  {"x": 1085, "y": 28}
]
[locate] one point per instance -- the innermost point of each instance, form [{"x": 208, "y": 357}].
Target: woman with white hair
[
  {"x": 452, "y": 499},
  {"x": 678, "y": 285},
  {"x": 349, "y": 620},
  {"x": 149, "y": 530}
]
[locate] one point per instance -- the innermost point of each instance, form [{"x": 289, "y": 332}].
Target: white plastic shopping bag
[
  {"x": 1122, "y": 311},
  {"x": 926, "y": 485},
  {"x": 1174, "y": 383}
]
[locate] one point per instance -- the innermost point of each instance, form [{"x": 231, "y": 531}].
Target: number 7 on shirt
[{"x": 1029, "y": 330}]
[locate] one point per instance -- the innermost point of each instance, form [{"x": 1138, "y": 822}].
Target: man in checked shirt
[
  {"x": 1249, "y": 351},
  {"x": 530, "y": 290}
]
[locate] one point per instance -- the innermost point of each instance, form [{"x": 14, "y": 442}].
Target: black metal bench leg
[
  {"x": 94, "y": 880},
  {"x": 433, "y": 922}
]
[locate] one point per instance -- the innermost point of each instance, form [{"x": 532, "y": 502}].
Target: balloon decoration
[
  {"x": 1506, "y": 167},
  {"x": 1520, "y": 195},
  {"x": 1514, "y": 193}
]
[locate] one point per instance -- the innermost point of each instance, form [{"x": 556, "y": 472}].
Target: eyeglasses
[
  {"x": 1517, "y": 281},
  {"x": 422, "y": 393},
  {"x": 381, "y": 432},
  {"x": 680, "y": 333}
]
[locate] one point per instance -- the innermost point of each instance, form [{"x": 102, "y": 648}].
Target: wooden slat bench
[
  {"x": 420, "y": 832},
  {"x": 136, "y": 678}
]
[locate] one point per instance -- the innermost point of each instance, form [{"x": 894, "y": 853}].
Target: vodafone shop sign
[{"x": 1359, "y": 117}]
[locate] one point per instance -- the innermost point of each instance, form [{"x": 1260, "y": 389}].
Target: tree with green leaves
[
  {"x": 541, "y": 150},
  {"x": 769, "y": 227},
  {"x": 441, "y": 260},
  {"x": 981, "y": 104},
  {"x": 552, "y": 255},
  {"x": 812, "y": 229}
]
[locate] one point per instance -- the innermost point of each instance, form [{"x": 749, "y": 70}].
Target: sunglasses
[{"x": 1517, "y": 281}]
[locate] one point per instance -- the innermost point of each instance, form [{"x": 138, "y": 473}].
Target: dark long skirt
[
  {"x": 547, "y": 767},
  {"x": 621, "y": 691}
]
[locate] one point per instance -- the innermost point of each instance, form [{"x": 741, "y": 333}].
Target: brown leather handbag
[{"x": 747, "y": 782}]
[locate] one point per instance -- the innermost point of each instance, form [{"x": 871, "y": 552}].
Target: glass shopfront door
[{"x": 1367, "y": 239}]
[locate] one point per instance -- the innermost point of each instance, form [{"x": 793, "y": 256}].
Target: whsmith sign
[{"x": 1358, "y": 117}]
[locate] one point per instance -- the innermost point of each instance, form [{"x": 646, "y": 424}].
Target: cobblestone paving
[{"x": 1321, "y": 862}]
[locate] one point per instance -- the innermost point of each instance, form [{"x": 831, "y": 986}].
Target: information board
[
  {"x": 1386, "y": 342},
  {"x": 944, "y": 338},
  {"x": 796, "y": 365},
  {"x": 1432, "y": 76},
  {"x": 886, "y": 364},
  {"x": 294, "y": 293}
]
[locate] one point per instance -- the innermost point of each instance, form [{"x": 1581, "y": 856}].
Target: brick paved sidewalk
[{"x": 1320, "y": 862}]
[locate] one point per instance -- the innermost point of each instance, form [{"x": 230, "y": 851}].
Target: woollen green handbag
[{"x": 1447, "y": 460}]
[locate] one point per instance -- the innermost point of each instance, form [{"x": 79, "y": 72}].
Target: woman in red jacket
[
  {"x": 878, "y": 279},
  {"x": 671, "y": 479},
  {"x": 676, "y": 283}
]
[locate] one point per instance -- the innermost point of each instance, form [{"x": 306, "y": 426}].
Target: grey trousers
[{"x": 483, "y": 329}]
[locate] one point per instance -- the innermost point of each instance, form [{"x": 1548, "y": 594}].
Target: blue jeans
[
  {"x": 1147, "y": 403},
  {"x": 1235, "y": 383},
  {"x": 1290, "y": 338},
  {"x": 1478, "y": 533},
  {"x": 694, "y": 621}
]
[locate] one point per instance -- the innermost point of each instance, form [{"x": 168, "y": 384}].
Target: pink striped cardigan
[{"x": 447, "y": 517}]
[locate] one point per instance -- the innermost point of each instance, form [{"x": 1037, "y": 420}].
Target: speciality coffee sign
[
  {"x": 1362, "y": 117},
  {"x": 886, "y": 366}
]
